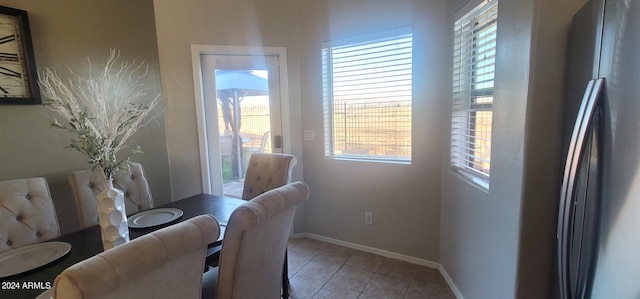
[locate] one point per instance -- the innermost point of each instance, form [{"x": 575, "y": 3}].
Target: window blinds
[
  {"x": 367, "y": 97},
  {"x": 473, "y": 80}
]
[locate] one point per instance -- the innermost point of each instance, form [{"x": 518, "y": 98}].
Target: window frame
[
  {"x": 396, "y": 34},
  {"x": 465, "y": 96}
]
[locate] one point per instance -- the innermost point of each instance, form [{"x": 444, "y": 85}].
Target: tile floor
[{"x": 323, "y": 270}]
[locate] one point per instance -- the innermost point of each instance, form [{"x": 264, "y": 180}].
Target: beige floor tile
[
  {"x": 436, "y": 288},
  {"x": 323, "y": 266},
  {"x": 336, "y": 292},
  {"x": 298, "y": 258},
  {"x": 303, "y": 288},
  {"x": 429, "y": 275},
  {"x": 337, "y": 253},
  {"x": 322, "y": 270},
  {"x": 385, "y": 287},
  {"x": 398, "y": 269},
  {"x": 293, "y": 242},
  {"x": 312, "y": 277},
  {"x": 349, "y": 277},
  {"x": 311, "y": 245},
  {"x": 364, "y": 260},
  {"x": 418, "y": 293}
]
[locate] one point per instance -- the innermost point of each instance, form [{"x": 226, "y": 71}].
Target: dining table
[{"x": 87, "y": 242}]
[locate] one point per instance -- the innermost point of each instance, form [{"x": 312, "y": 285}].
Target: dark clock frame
[{"x": 30, "y": 60}]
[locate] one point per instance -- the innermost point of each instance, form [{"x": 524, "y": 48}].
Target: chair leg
[{"x": 285, "y": 277}]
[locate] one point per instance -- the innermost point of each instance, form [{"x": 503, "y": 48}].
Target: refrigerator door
[
  {"x": 578, "y": 211},
  {"x": 617, "y": 270},
  {"x": 576, "y": 214}
]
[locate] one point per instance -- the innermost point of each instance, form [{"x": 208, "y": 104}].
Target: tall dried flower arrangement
[{"x": 100, "y": 111}]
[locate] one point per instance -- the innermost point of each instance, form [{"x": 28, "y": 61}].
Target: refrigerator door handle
[{"x": 568, "y": 189}]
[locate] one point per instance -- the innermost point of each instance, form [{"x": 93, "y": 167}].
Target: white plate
[
  {"x": 30, "y": 257},
  {"x": 48, "y": 294},
  {"x": 153, "y": 217}
]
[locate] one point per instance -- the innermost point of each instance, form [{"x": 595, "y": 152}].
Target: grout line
[
  {"x": 406, "y": 293},
  {"x": 325, "y": 284},
  {"x": 367, "y": 284}
]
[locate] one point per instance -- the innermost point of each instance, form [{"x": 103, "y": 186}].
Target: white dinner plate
[
  {"x": 153, "y": 217},
  {"x": 30, "y": 257},
  {"x": 48, "y": 294}
]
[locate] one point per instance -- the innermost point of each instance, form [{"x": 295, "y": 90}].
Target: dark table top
[{"x": 87, "y": 242}]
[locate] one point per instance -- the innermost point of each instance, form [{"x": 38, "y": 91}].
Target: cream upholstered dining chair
[
  {"x": 254, "y": 244},
  {"x": 266, "y": 172},
  {"x": 166, "y": 263},
  {"x": 87, "y": 183},
  {"x": 27, "y": 213}
]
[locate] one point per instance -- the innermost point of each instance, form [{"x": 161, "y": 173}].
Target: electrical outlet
[{"x": 368, "y": 218}]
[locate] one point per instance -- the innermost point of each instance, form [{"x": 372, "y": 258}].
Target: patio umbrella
[{"x": 232, "y": 86}]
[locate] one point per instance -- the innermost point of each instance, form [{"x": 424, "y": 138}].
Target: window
[
  {"x": 367, "y": 97},
  {"x": 473, "y": 81}
]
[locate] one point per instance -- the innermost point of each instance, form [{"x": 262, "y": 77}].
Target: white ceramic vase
[{"x": 112, "y": 216}]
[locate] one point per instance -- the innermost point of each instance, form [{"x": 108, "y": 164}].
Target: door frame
[{"x": 196, "y": 62}]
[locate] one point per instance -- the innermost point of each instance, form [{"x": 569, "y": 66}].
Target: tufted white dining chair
[
  {"x": 27, "y": 213},
  {"x": 254, "y": 246},
  {"x": 266, "y": 172},
  {"x": 87, "y": 183},
  {"x": 166, "y": 263}
]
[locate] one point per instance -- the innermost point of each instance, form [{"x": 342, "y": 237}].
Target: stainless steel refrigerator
[{"x": 598, "y": 235}]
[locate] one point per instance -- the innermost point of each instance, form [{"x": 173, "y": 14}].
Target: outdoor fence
[
  {"x": 255, "y": 123},
  {"x": 373, "y": 129}
]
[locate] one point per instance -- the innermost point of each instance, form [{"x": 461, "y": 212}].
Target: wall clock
[{"x": 18, "y": 83}]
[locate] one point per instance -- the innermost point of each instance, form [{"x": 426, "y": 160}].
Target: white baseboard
[
  {"x": 389, "y": 254},
  {"x": 450, "y": 283},
  {"x": 377, "y": 251}
]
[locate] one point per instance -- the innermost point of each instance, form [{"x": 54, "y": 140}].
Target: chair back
[
  {"x": 255, "y": 242},
  {"x": 167, "y": 263},
  {"x": 266, "y": 172},
  {"x": 27, "y": 213},
  {"x": 87, "y": 183}
]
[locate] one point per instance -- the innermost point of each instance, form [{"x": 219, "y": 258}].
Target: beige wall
[
  {"x": 228, "y": 23},
  {"x": 222, "y": 23},
  {"x": 498, "y": 244},
  {"x": 404, "y": 199},
  {"x": 65, "y": 33},
  {"x": 480, "y": 229},
  {"x": 406, "y": 207}
]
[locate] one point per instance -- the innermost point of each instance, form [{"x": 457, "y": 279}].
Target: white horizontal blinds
[
  {"x": 473, "y": 80},
  {"x": 367, "y": 94},
  {"x": 326, "y": 99}
]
